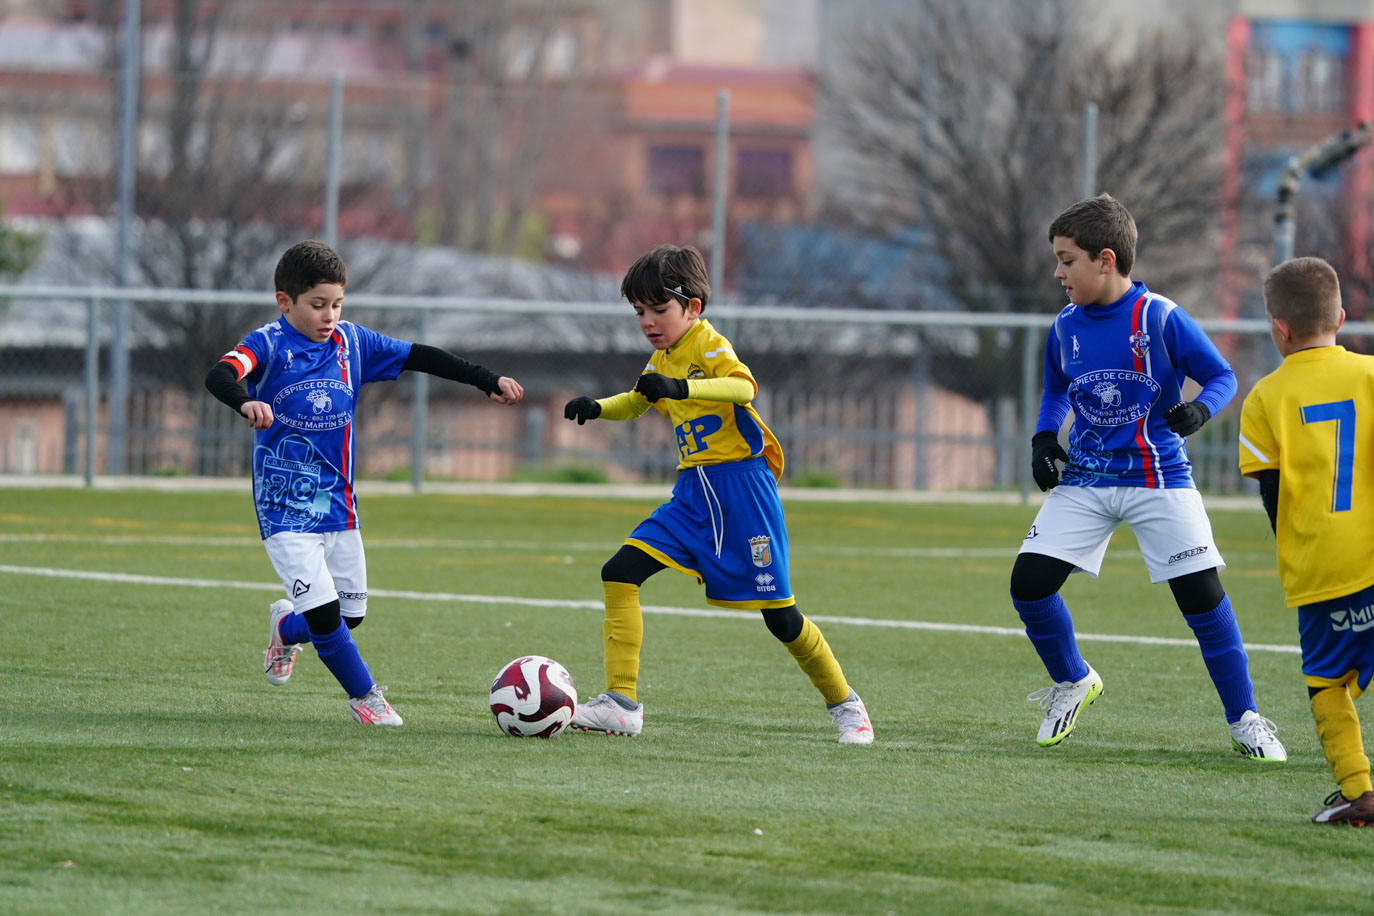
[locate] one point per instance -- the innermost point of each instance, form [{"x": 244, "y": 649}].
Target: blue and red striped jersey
[
  {"x": 303, "y": 462},
  {"x": 1119, "y": 367}
]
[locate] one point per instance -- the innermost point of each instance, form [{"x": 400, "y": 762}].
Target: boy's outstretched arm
[
  {"x": 435, "y": 361},
  {"x": 731, "y": 389},
  {"x": 624, "y": 406},
  {"x": 223, "y": 382}
]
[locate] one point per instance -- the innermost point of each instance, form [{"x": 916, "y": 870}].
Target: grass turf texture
[{"x": 147, "y": 766}]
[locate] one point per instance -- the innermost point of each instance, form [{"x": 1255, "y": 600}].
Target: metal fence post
[
  {"x": 419, "y": 412},
  {"x": 92, "y": 386},
  {"x": 1030, "y": 403}
]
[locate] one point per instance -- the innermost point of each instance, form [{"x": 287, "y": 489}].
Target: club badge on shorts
[{"x": 760, "y": 550}]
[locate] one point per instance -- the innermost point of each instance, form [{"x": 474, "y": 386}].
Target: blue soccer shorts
[
  {"x": 724, "y": 525},
  {"x": 1337, "y": 639}
]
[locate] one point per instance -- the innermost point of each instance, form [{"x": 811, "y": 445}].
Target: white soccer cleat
[
  {"x": 851, "y": 718},
  {"x": 372, "y": 708},
  {"x": 1253, "y": 735},
  {"x": 279, "y": 658},
  {"x": 602, "y": 713},
  {"x": 1062, "y": 703}
]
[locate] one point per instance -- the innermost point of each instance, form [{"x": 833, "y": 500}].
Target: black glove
[
  {"x": 654, "y": 386},
  {"x": 581, "y": 409},
  {"x": 1045, "y": 448},
  {"x": 1187, "y": 417}
]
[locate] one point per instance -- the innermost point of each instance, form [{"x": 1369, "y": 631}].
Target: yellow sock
[
  {"x": 1338, "y": 727},
  {"x": 814, "y": 657},
  {"x": 622, "y": 635}
]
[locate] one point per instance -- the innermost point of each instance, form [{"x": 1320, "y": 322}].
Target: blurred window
[
  {"x": 763, "y": 173},
  {"x": 677, "y": 170}
]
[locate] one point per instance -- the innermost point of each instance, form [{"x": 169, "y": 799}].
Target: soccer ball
[{"x": 533, "y": 696}]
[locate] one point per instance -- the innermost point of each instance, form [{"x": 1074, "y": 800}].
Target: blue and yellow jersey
[
  {"x": 1312, "y": 420},
  {"x": 708, "y": 432}
]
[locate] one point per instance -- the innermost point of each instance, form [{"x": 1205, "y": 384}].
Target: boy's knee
[
  {"x": 785, "y": 623},
  {"x": 1197, "y": 593},
  {"x": 1035, "y": 576},
  {"x": 629, "y": 565},
  {"x": 324, "y": 619}
]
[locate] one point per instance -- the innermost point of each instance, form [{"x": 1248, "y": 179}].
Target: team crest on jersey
[
  {"x": 310, "y": 405},
  {"x": 1112, "y": 397},
  {"x": 695, "y": 371},
  {"x": 1140, "y": 343},
  {"x": 761, "y": 550},
  {"x": 320, "y": 400},
  {"x": 1108, "y": 394}
]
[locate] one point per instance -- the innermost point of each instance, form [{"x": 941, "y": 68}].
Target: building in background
[
  {"x": 580, "y": 131},
  {"x": 1298, "y": 73}
]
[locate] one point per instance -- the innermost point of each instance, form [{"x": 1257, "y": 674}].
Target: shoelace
[
  {"x": 374, "y": 700},
  {"x": 849, "y": 715},
  {"x": 1256, "y": 729},
  {"x": 279, "y": 658},
  {"x": 1054, "y": 698}
]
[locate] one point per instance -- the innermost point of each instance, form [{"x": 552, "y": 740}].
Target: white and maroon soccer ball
[{"x": 533, "y": 697}]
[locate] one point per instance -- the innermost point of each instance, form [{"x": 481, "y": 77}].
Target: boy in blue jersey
[
  {"x": 1117, "y": 355},
  {"x": 296, "y": 381},
  {"x": 724, "y": 523},
  {"x": 1307, "y": 436}
]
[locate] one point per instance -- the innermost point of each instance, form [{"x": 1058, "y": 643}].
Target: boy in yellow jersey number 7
[
  {"x": 724, "y": 522},
  {"x": 1307, "y": 435}
]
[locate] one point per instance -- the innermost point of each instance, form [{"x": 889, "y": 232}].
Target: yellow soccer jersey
[
  {"x": 1312, "y": 420},
  {"x": 712, "y": 432}
]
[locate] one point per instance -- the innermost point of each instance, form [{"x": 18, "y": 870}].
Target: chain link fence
[{"x": 853, "y": 395}]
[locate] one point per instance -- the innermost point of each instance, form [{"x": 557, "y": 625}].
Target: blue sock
[
  {"x": 1050, "y": 629},
  {"x": 1218, "y": 635},
  {"x": 340, "y": 655},
  {"x": 293, "y": 629}
]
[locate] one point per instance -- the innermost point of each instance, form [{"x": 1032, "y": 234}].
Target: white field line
[
  {"x": 454, "y": 597},
  {"x": 911, "y": 553}
]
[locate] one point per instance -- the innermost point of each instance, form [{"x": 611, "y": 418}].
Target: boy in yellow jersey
[
  {"x": 1307, "y": 435},
  {"x": 724, "y": 523}
]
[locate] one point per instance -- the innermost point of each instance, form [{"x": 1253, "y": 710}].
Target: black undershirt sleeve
[
  {"x": 224, "y": 384},
  {"x": 1269, "y": 495},
  {"x": 434, "y": 361}
]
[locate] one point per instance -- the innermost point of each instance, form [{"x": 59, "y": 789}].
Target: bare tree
[
  {"x": 517, "y": 116},
  {"x": 222, "y": 150},
  {"x": 959, "y": 135}
]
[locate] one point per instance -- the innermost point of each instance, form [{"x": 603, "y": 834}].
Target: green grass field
[{"x": 146, "y": 766}]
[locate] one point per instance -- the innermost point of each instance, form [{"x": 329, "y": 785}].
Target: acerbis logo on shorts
[
  {"x": 1187, "y": 553},
  {"x": 300, "y": 588},
  {"x": 354, "y": 596}
]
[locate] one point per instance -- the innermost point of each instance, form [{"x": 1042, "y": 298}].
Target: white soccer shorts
[
  {"x": 317, "y": 568},
  {"x": 1171, "y": 526}
]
